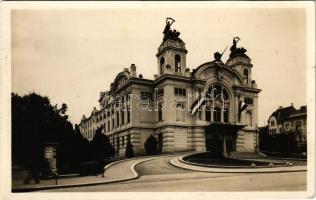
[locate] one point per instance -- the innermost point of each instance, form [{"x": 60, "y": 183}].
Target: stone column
[
  {"x": 222, "y": 114},
  {"x": 212, "y": 108},
  {"x": 236, "y": 110}
]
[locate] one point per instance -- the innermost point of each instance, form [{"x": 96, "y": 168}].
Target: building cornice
[
  {"x": 247, "y": 89},
  {"x": 171, "y": 77},
  {"x": 170, "y": 48}
]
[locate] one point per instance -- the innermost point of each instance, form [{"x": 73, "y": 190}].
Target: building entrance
[
  {"x": 215, "y": 146},
  {"x": 220, "y": 138}
]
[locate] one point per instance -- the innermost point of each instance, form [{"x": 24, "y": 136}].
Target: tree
[
  {"x": 101, "y": 146},
  {"x": 36, "y": 121},
  {"x": 129, "y": 152},
  {"x": 151, "y": 145}
]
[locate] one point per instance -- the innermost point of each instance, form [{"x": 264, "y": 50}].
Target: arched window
[
  {"x": 226, "y": 112},
  {"x": 217, "y": 97},
  {"x": 177, "y": 63},
  {"x": 246, "y": 76},
  {"x": 162, "y": 62},
  {"x": 217, "y": 114},
  {"x": 218, "y": 90},
  {"x": 208, "y": 113}
]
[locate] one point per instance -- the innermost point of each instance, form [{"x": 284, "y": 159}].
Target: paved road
[
  {"x": 293, "y": 181},
  {"x": 159, "y": 175}
]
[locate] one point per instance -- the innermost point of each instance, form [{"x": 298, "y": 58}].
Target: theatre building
[{"x": 213, "y": 107}]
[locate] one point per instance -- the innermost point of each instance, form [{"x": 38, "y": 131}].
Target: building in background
[
  {"x": 213, "y": 107},
  {"x": 289, "y": 119}
]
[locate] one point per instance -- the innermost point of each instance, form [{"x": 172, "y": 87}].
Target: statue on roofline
[
  {"x": 234, "y": 51},
  {"x": 168, "y": 33}
]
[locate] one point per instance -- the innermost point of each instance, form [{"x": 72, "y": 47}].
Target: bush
[
  {"x": 129, "y": 152},
  {"x": 89, "y": 168},
  {"x": 151, "y": 145}
]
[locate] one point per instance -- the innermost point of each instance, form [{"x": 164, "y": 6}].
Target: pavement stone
[{"x": 118, "y": 171}]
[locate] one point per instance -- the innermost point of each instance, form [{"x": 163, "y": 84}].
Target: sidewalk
[
  {"x": 122, "y": 170},
  {"x": 178, "y": 162}
]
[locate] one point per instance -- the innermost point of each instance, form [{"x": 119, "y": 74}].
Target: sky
[{"x": 72, "y": 55}]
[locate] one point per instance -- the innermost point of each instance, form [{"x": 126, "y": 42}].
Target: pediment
[
  {"x": 211, "y": 70},
  {"x": 120, "y": 80}
]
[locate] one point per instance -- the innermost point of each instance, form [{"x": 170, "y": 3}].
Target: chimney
[
  {"x": 187, "y": 72},
  {"x": 126, "y": 70},
  {"x": 291, "y": 104},
  {"x": 253, "y": 84},
  {"x": 133, "y": 70}
]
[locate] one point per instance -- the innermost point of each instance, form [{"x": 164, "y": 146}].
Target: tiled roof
[{"x": 284, "y": 113}]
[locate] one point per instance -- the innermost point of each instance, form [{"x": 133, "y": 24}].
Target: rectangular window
[
  {"x": 117, "y": 119},
  {"x": 146, "y": 96},
  {"x": 112, "y": 123},
  {"x": 128, "y": 138},
  {"x": 159, "y": 112},
  {"x": 176, "y": 91},
  {"x": 122, "y": 116},
  {"x": 180, "y": 91},
  {"x": 160, "y": 92},
  {"x": 109, "y": 128},
  {"x": 249, "y": 100},
  {"x": 128, "y": 116},
  {"x": 179, "y": 111}
]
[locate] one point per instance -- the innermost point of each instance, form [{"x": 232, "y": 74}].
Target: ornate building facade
[{"x": 213, "y": 107}]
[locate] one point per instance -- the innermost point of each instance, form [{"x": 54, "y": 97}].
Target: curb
[
  {"x": 231, "y": 170},
  {"x": 294, "y": 159},
  {"x": 135, "y": 176}
]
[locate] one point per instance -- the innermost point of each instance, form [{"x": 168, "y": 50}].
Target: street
[{"x": 158, "y": 175}]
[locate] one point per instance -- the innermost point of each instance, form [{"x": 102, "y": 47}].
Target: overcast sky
[{"x": 72, "y": 55}]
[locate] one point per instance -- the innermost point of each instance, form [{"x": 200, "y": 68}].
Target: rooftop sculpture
[
  {"x": 170, "y": 34},
  {"x": 234, "y": 51}
]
